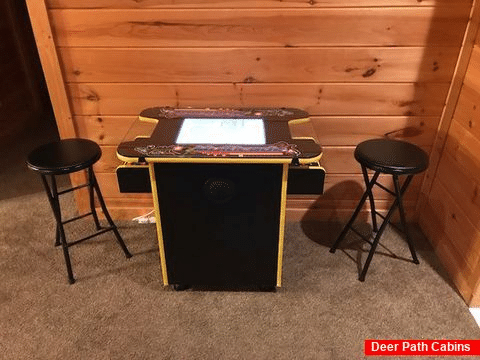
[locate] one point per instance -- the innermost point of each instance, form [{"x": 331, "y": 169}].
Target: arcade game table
[{"x": 219, "y": 180}]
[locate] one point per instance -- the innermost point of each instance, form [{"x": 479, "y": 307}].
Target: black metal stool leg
[
  {"x": 92, "y": 200},
  {"x": 377, "y": 240},
  {"x": 398, "y": 202},
  {"x": 370, "y": 197},
  {"x": 58, "y": 216},
  {"x": 48, "y": 190},
  {"x": 355, "y": 213},
  {"x": 399, "y": 193},
  {"x": 107, "y": 216},
  {"x": 58, "y": 242}
]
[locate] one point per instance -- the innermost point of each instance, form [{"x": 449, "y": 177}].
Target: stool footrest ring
[
  {"x": 72, "y": 189},
  {"x": 385, "y": 189},
  {"x": 76, "y": 218},
  {"x": 90, "y": 236}
]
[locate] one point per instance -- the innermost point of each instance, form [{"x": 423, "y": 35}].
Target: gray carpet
[{"x": 118, "y": 308}]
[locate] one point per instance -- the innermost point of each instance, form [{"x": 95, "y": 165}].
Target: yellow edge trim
[
  {"x": 147, "y": 119},
  {"x": 161, "y": 247},
  {"x": 126, "y": 159},
  {"x": 283, "y": 205},
  {"x": 299, "y": 121},
  {"x": 317, "y": 166},
  {"x": 125, "y": 166},
  {"x": 293, "y": 121},
  {"x": 310, "y": 160}
]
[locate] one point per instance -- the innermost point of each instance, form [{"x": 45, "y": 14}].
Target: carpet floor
[{"x": 118, "y": 308}]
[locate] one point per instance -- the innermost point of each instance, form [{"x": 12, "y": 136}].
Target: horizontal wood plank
[
  {"x": 253, "y": 65},
  {"x": 104, "y": 130},
  {"x": 111, "y": 130},
  {"x": 318, "y": 203},
  {"x": 318, "y": 99},
  {"x": 122, "y": 212},
  {"x": 325, "y": 214},
  {"x": 157, "y": 4},
  {"x": 412, "y": 26},
  {"x": 337, "y": 188},
  {"x": 331, "y": 131},
  {"x": 340, "y": 160}
]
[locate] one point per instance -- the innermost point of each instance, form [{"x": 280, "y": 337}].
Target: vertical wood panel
[
  {"x": 450, "y": 202},
  {"x": 452, "y": 98}
]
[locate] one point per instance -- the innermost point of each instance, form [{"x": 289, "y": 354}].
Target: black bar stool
[
  {"x": 392, "y": 157},
  {"x": 65, "y": 157}
]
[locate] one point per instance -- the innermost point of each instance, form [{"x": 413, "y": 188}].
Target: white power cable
[{"x": 147, "y": 218}]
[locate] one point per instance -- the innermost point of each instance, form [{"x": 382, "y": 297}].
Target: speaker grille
[{"x": 219, "y": 190}]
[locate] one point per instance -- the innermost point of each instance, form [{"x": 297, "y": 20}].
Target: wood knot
[
  {"x": 93, "y": 97},
  {"x": 369, "y": 72},
  {"x": 475, "y": 194},
  {"x": 350, "y": 69}
]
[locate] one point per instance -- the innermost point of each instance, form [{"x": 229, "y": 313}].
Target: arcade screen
[{"x": 222, "y": 131}]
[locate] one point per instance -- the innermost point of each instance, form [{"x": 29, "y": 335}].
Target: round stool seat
[
  {"x": 391, "y": 156},
  {"x": 64, "y": 156}
]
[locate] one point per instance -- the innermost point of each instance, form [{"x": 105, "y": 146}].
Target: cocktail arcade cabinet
[{"x": 219, "y": 180}]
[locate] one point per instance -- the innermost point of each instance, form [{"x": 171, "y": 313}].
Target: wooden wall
[
  {"x": 450, "y": 216},
  {"x": 361, "y": 68}
]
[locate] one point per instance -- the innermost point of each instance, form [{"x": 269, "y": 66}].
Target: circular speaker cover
[{"x": 219, "y": 190}]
